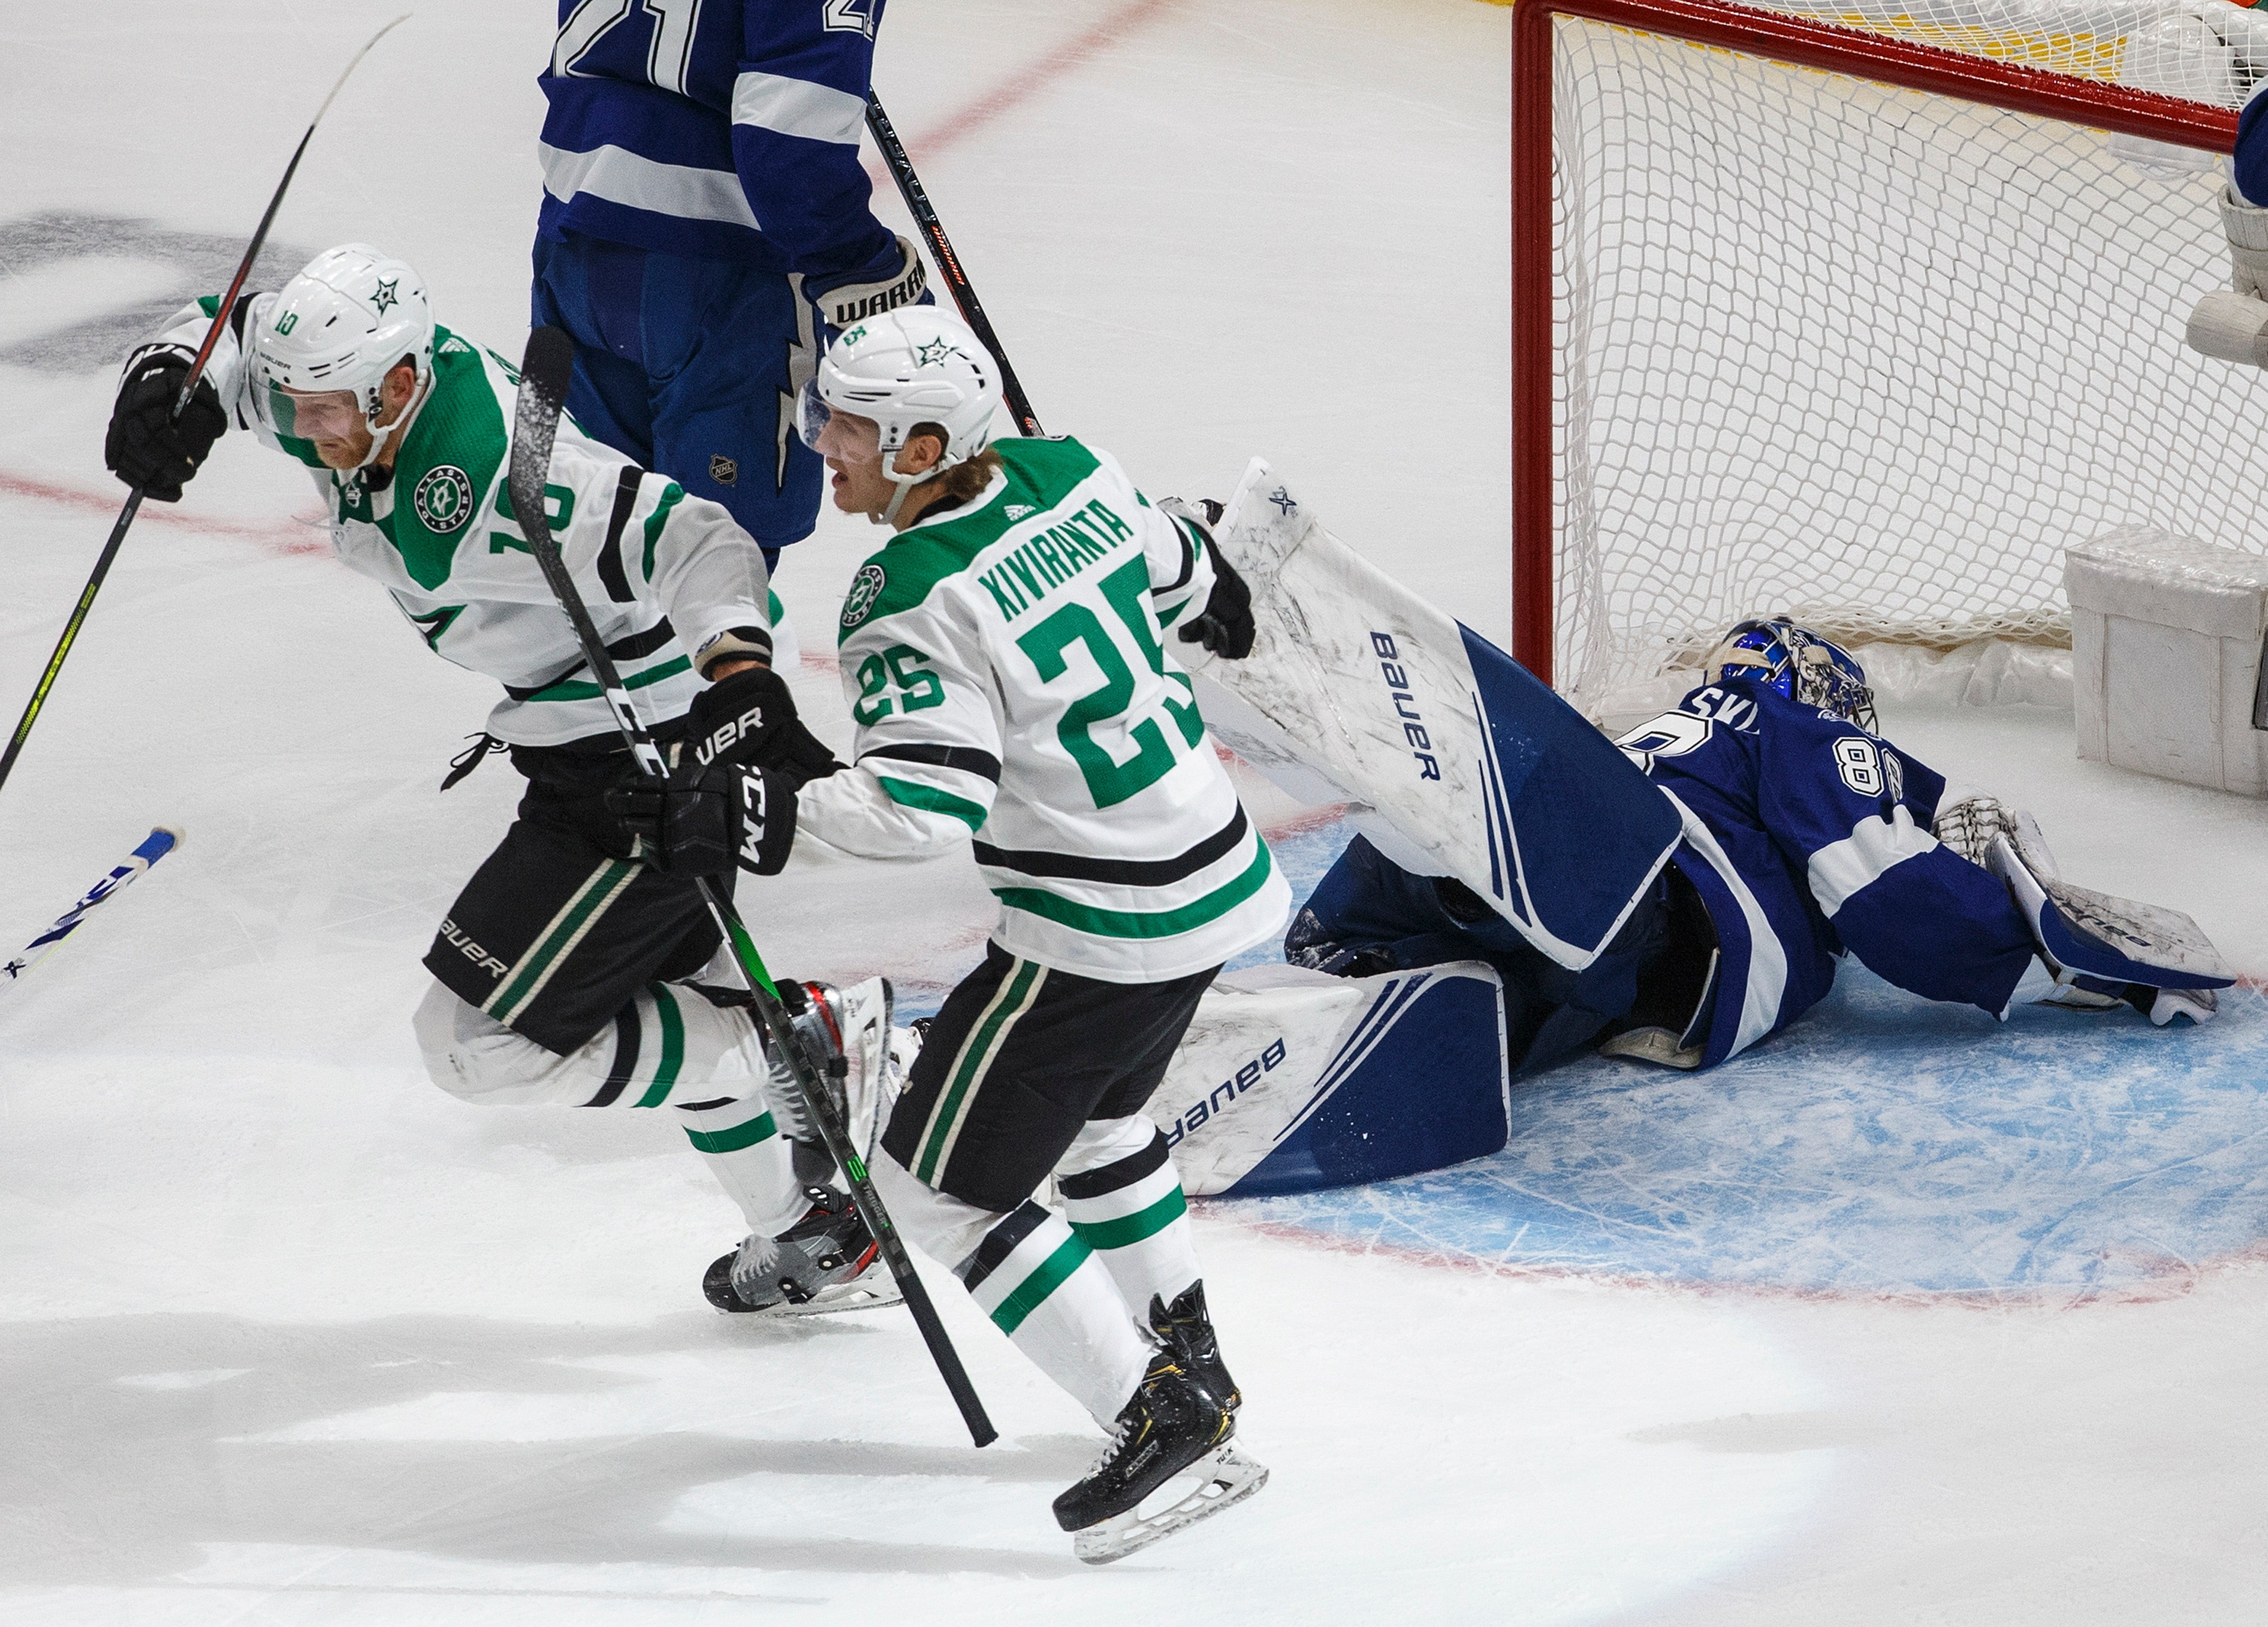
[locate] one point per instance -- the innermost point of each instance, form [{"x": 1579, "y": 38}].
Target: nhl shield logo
[
  {"x": 444, "y": 499},
  {"x": 865, "y": 593},
  {"x": 723, "y": 469}
]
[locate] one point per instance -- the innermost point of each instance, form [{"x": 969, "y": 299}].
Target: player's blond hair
[{"x": 964, "y": 480}]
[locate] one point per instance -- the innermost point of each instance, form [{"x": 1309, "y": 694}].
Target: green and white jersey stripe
[
  {"x": 440, "y": 535},
  {"x": 1010, "y": 673}
]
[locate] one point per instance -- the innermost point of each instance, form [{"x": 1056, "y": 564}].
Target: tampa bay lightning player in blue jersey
[
  {"x": 1808, "y": 837},
  {"x": 706, "y": 226}
]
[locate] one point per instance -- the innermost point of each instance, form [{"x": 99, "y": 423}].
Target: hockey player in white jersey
[
  {"x": 1004, "y": 656},
  {"x": 569, "y": 970}
]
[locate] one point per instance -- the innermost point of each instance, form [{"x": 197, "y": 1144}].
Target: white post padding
[{"x": 2166, "y": 649}]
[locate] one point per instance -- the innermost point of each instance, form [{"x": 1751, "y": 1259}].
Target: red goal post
[{"x": 1788, "y": 39}]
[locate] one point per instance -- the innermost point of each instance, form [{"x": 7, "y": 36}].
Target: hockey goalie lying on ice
[{"x": 1523, "y": 888}]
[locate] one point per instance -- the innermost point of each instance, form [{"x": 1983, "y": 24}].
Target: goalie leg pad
[
  {"x": 1292, "y": 1081},
  {"x": 1452, "y": 759}
]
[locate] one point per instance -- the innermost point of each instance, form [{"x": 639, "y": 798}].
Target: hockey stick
[
  {"x": 181, "y": 404},
  {"x": 154, "y": 847},
  {"x": 948, "y": 263},
  {"x": 544, "y": 369}
]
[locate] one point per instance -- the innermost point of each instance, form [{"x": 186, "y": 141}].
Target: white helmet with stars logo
[
  {"x": 343, "y": 323},
  {"x": 905, "y": 368}
]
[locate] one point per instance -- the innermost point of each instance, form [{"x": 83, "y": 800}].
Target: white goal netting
[{"x": 1873, "y": 357}]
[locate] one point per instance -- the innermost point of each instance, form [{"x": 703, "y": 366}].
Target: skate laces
[
  {"x": 759, "y": 1255},
  {"x": 1120, "y": 1429}
]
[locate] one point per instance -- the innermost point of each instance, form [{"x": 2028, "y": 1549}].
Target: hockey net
[{"x": 1871, "y": 355}]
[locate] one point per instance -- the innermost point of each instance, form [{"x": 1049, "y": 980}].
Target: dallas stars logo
[
  {"x": 384, "y": 298},
  {"x": 935, "y": 351}
]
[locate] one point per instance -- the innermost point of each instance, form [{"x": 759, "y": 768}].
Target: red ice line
[
  {"x": 2170, "y": 1278},
  {"x": 1106, "y": 36},
  {"x": 281, "y": 535}
]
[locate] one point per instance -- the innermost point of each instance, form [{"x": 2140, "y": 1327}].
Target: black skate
[
  {"x": 1173, "y": 1425},
  {"x": 1183, "y": 1326},
  {"x": 828, "y": 1261}
]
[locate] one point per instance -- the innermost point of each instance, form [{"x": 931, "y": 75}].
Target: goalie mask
[
  {"x": 904, "y": 369},
  {"x": 321, "y": 354},
  {"x": 1796, "y": 662}
]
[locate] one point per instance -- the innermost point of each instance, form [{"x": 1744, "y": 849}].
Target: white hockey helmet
[
  {"x": 905, "y": 368},
  {"x": 343, "y": 324}
]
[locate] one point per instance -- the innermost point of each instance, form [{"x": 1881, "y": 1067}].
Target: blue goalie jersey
[
  {"x": 1808, "y": 838},
  {"x": 723, "y": 129},
  {"x": 1805, "y": 838}
]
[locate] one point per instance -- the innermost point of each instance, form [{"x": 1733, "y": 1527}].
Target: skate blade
[
  {"x": 853, "y": 1296},
  {"x": 1229, "y": 1476}
]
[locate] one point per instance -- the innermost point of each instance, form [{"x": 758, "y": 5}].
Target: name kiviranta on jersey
[{"x": 1053, "y": 558}]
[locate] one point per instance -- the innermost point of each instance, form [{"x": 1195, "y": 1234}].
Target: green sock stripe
[
  {"x": 1030, "y": 1293},
  {"x": 1131, "y": 1229},
  {"x": 974, "y": 1057},
  {"x": 757, "y": 1129},
  {"x": 673, "y": 1047}
]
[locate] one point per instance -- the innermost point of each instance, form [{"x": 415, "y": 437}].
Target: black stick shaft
[
  {"x": 540, "y": 374},
  {"x": 948, "y": 263},
  {"x": 181, "y": 404}
]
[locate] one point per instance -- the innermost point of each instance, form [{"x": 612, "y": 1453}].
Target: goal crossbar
[{"x": 1796, "y": 42}]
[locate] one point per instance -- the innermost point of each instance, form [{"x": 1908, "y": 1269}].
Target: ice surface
[{"x": 288, "y": 1337}]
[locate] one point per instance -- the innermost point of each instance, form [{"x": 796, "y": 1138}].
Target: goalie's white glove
[{"x": 2102, "y": 952}]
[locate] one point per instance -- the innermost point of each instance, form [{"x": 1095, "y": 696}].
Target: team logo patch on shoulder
[
  {"x": 865, "y": 593},
  {"x": 444, "y": 498}
]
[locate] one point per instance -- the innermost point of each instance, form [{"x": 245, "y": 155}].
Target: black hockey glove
[
  {"x": 146, "y": 445},
  {"x": 684, "y": 828},
  {"x": 1226, "y": 627},
  {"x": 767, "y": 820},
  {"x": 746, "y": 720}
]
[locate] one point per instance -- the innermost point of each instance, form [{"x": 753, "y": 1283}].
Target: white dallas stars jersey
[
  {"x": 661, "y": 572},
  {"x": 1006, "y": 665}
]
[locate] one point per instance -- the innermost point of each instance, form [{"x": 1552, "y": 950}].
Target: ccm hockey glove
[
  {"x": 684, "y": 828},
  {"x": 146, "y": 445},
  {"x": 738, "y": 720},
  {"x": 767, "y": 820}
]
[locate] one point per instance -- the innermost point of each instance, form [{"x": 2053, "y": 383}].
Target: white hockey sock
[
  {"x": 1041, "y": 1286},
  {"x": 668, "y": 1043},
  {"x": 1123, "y": 1197},
  {"x": 742, "y": 1143}
]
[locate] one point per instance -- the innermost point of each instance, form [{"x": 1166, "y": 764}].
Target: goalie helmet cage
[{"x": 1862, "y": 321}]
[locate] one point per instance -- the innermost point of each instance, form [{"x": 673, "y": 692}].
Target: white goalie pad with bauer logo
[
  {"x": 1450, "y": 757},
  {"x": 1291, "y": 1080}
]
